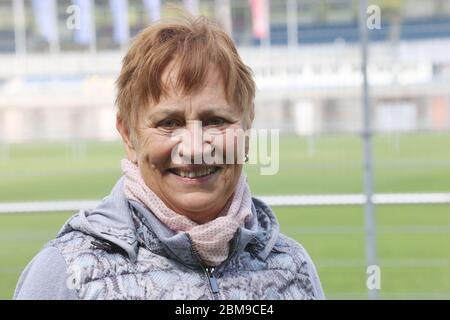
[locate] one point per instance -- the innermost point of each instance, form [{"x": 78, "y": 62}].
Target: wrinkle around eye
[
  {"x": 170, "y": 123},
  {"x": 158, "y": 131}
]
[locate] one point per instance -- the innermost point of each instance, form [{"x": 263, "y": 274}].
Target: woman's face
[{"x": 191, "y": 188}]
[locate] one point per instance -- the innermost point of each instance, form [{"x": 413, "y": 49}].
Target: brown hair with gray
[{"x": 194, "y": 44}]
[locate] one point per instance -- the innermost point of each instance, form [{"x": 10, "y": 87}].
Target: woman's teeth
[{"x": 195, "y": 173}]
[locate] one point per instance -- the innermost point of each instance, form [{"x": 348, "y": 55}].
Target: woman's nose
[{"x": 194, "y": 144}]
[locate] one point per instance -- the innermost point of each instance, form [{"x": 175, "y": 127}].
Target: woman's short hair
[{"x": 195, "y": 44}]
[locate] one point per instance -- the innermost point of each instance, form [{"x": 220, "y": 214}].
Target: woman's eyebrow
[
  {"x": 215, "y": 111},
  {"x": 166, "y": 112}
]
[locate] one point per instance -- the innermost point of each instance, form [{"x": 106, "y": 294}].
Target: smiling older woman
[{"x": 174, "y": 229}]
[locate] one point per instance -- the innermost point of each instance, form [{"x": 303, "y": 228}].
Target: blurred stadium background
[{"x": 58, "y": 140}]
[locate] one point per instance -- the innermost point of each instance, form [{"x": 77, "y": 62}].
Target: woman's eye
[
  {"x": 215, "y": 122},
  {"x": 169, "y": 123}
]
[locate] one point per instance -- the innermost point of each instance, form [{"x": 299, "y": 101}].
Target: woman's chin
[
  {"x": 199, "y": 205},
  {"x": 200, "y": 201}
]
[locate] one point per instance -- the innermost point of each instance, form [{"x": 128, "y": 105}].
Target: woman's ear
[
  {"x": 126, "y": 139},
  {"x": 250, "y": 116}
]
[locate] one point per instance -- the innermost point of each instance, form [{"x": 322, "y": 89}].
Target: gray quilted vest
[{"x": 120, "y": 250}]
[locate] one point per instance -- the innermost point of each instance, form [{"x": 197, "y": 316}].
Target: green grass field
[{"x": 413, "y": 240}]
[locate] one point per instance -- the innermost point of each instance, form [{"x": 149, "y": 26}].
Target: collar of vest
[{"x": 127, "y": 224}]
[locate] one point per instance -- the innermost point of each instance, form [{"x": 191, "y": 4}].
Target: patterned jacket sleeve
[{"x": 302, "y": 257}]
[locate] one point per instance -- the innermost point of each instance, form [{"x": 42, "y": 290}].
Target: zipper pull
[{"x": 212, "y": 280}]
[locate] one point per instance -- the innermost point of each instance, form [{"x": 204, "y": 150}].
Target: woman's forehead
[
  {"x": 176, "y": 80},
  {"x": 208, "y": 98}
]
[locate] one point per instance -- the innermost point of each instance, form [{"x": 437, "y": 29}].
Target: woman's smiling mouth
[{"x": 195, "y": 173}]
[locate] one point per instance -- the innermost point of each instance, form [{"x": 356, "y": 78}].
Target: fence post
[{"x": 369, "y": 210}]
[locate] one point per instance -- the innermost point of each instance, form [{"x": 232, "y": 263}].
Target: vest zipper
[
  {"x": 212, "y": 281},
  {"x": 209, "y": 271}
]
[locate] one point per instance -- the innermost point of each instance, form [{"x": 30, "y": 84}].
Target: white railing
[{"x": 285, "y": 200}]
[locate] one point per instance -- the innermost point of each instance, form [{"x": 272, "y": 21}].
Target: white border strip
[
  {"x": 310, "y": 200},
  {"x": 48, "y": 206},
  {"x": 358, "y": 199}
]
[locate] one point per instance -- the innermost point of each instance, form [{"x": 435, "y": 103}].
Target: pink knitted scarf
[{"x": 210, "y": 239}]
